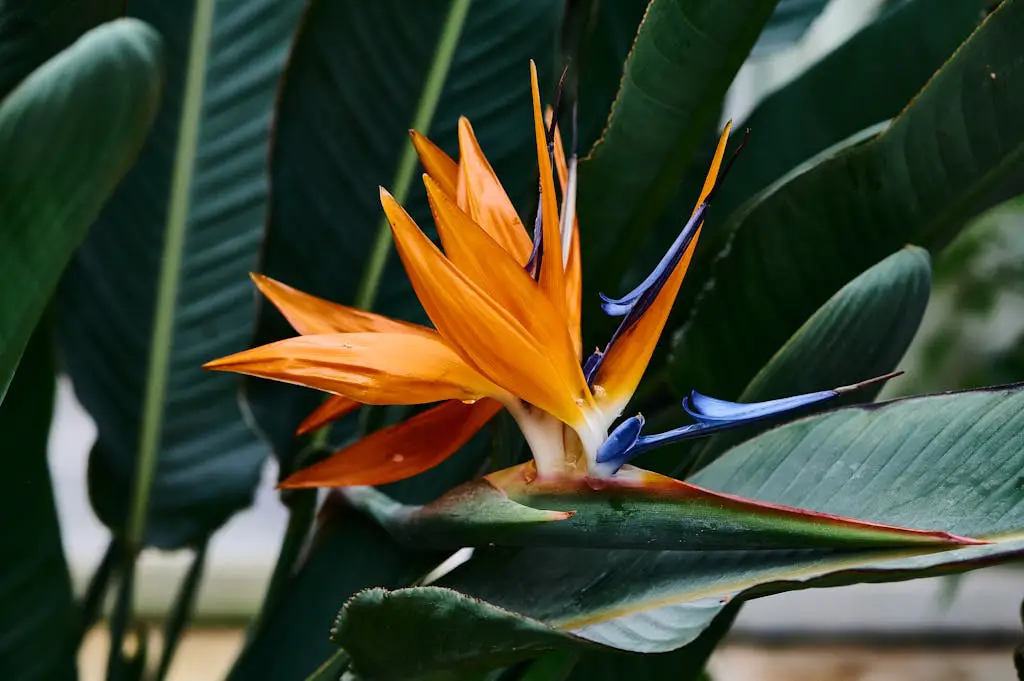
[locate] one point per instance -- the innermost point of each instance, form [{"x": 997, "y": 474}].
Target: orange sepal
[
  {"x": 332, "y": 409},
  {"x": 438, "y": 164},
  {"x": 624, "y": 364},
  {"x": 372, "y": 368},
  {"x": 485, "y": 334},
  {"x": 309, "y": 314},
  {"x": 402, "y": 450},
  {"x": 552, "y": 277},
  {"x": 485, "y": 200},
  {"x": 494, "y": 270},
  {"x": 573, "y": 270}
]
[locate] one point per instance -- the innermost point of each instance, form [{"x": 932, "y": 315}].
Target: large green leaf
[
  {"x": 919, "y": 181},
  {"x": 161, "y": 286},
  {"x": 862, "y": 331},
  {"x": 351, "y": 90},
  {"x": 32, "y": 31},
  {"x": 951, "y": 460},
  {"x": 685, "y": 56},
  {"x": 60, "y": 170},
  {"x": 866, "y": 80},
  {"x": 38, "y": 619}
]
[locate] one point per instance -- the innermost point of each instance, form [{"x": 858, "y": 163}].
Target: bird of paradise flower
[{"x": 505, "y": 310}]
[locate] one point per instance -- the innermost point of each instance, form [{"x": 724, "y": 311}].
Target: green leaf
[
  {"x": 445, "y": 629},
  {"x": 597, "y": 36},
  {"x": 32, "y": 31},
  {"x": 635, "y": 509},
  {"x": 788, "y": 24},
  {"x": 862, "y": 331},
  {"x": 38, "y": 619},
  {"x": 685, "y": 56},
  {"x": 161, "y": 285},
  {"x": 866, "y": 80},
  {"x": 350, "y": 94},
  {"x": 948, "y": 460},
  {"x": 938, "y": 164},
  {"x": 60, "y": 170}
]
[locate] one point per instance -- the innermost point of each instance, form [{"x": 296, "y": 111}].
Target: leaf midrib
[{"x": 179, "y": 205}]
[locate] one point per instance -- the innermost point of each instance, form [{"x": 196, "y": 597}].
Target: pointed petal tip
[{"x": 869, "y": 382}]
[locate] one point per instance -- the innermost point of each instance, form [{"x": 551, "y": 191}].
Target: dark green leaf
[
  {"x": 59, "y": 169},
  {"x": 862, "y": 331},
  {"x": 597, "y": 38},
  {"x": 438, "y": 629},
  {"x": 351, "y": 89},
  {"x": 919, "y": 181},
  {"x": 788, "y": 24},
  {"x": 866, "y": 80},
  {"x": 685, "y": 56},
  {"x": 950, "y": 460},
  {"x": 161, "y": 284},
  {"x": 32, "y": 31},
  {"x": 38, "y": 617}
]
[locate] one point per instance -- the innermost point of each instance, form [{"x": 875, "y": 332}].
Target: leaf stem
[
  {"x": 182, "y": 610},
  {"x": 170, "y": 273},
  {"x": 369, "y": 287},
  {"x": 425, "y": 109}
]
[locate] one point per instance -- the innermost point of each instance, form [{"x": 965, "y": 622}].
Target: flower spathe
[{"x": 505, "y": 315}]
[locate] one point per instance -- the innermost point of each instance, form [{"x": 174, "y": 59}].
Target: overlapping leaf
[
  {"x": 862, "y": 331},
  {"x": 685, "y": 57},
  {"x": 801, "y": 240},
  {"x": 951, "y": 460},
  {"x": 38, "y": 617},
  {"x": 111, "y": 77},
  {"x": 172, "y": 252}
]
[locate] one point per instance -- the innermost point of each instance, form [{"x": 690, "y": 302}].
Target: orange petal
[
  {"x": 402, "y": 450},
  {"x": 438, "y": 164},
  {"x": 372, "y": 368},
  {"x": 481, "y": 330},
  {"x": 485, "y": 199},
  {"x": 311, "y": 315},
  {"x": 552, "y": 278},
  {"x": 332, "y": 409},
  {"x": 573, "y": 275},
  {"x": 626, "y": 360},
  {"x": 574, "y": 293},
  {"x": 504, "y": 280}
]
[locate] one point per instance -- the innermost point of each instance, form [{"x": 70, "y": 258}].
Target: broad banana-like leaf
[
  {"x": 913, "y": 462},
  {"x": 161, "y": 285}
]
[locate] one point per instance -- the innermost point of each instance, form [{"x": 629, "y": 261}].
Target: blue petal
[
  {"x": 533, "y": 264},
  {"x": 712, "y": 416},
  {"x": 620, "y": 441},
  {"x": 591, "y": 364},
  {"x": 649, "y": 288},
  {"x": 710, "y": 410}
]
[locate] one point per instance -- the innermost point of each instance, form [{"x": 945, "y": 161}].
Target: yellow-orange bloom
[{"x": 505, "y": 314}]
